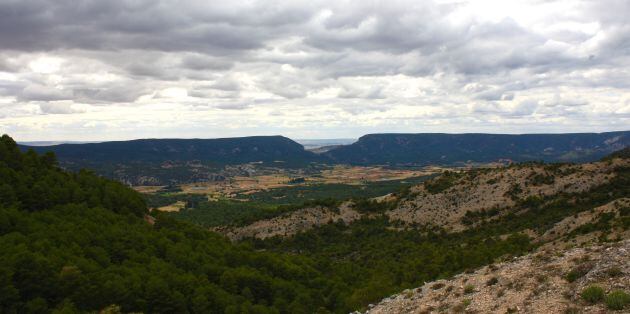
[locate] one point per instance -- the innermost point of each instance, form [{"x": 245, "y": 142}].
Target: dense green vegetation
[
  {"x": 77, "y": 242},
  {"x": 377, "y": 261}
]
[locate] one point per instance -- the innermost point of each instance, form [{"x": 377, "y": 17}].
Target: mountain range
[
  {"x": 159, "y": 161},
  {"x": 448, "y": 149}
]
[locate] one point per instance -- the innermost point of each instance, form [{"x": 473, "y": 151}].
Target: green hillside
[{"x": 77, "y": 242}]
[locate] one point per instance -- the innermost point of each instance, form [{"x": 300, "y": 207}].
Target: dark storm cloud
[
  {"x": 36, "y": 25},
  {"x": 361, "y": 35}
]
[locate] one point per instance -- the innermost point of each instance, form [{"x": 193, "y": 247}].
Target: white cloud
[{"x": 123, "y": 69}]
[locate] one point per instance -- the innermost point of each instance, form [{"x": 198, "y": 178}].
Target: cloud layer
[{"x": 91, "y": 70}]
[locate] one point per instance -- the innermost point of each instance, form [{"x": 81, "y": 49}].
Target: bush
[
  {"x": 593, "y": 294},
  {"x": 614, "y": 271},
  {"x": 617, "y": 300},
  {"x": 461, "y": 308},
  {"x": 492, "y": 281},
  {"x": 442, "y": 182},
  {"x": 437, "y": 286},
  {"x": 572, "y": 310},
  {"x": 578, "y": 272},
  {"x": 468, "y": 289}
]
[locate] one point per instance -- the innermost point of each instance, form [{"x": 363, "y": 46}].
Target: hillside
[
  {"x": 173, "y": 161},
  {"x": 77, "y": 243},
  {"x": 439, "y": 148},
  {"x": 456, "y": 201},
  {"x": 292, "y": 223},
  {"x": 455, "y": 223},
  {"x": 549, "y": 281}
]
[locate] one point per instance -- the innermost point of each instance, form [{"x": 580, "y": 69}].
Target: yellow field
[{"x": 175, "y": 207}]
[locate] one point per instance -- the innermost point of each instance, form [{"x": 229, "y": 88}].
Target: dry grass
[{"x": 175, "y": 207}]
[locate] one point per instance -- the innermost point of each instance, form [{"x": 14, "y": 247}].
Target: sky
[{"x": 113, "y": 70}]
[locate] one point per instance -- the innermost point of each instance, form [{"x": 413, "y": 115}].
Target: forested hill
[
  {"x": 440, "y": 148},
  {"x": 75, "y": 243},
  {"x": 219, "y": 151}
]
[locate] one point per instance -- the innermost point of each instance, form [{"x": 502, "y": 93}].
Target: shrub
[
  {"x": 593, "y": 294},
  {"x": 492, "y": 281},
  {"x": 578, "y": 272},
  {"x": 437, "y": 286},
  {"x": 614, "y": 271},
  {"x": 469, "y": 289},
  {"x": 617, "y": 300},
  {"x": 572, "y": 310},
  {"x": 460, "y": 308},
  {"x": 442, "y": 182}
]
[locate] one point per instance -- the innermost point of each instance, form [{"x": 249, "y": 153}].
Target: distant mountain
[
  {"x": 440, "y": 148},
  {"x": 50, "y": 143},
  {"x": 167, "y": 161},
  {"x": 221, "y": 151}
]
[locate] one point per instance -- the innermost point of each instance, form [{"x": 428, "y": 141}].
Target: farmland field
[{"x": 245, "y": 199}]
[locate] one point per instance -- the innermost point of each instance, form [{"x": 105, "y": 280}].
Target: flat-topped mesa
[
  {"x": 441, "y": 148},
  {"x": 236, "y": 150}
]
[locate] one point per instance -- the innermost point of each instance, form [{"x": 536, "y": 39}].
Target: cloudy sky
[{"x": 103, "y": 70}]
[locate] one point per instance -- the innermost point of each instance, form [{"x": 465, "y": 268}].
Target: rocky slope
[
  {"x": 493, "y": 190},
  {"x": 292, "y": 223},
  {"x": 549, "y": 281},
  {"x": 448, "y": 200}
]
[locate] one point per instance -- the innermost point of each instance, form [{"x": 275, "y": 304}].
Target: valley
[
  {"x": 314, "y": 157},
  {"x": 372, "y": 238}
]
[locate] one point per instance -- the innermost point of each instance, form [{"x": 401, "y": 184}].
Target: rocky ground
[
  {"x": 548, "y": 281},
  {"x": 486, "y": 190},
  {"x": 489, "y": 189},
  {"x": 496, "y": 188},
  {"x": 292, "y": 223}
]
